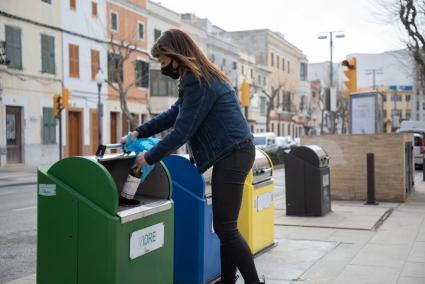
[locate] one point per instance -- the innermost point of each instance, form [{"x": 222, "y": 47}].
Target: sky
[{"x": 366, "y": 27}]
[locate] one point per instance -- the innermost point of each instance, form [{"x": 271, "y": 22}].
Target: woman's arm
[
  {"x": 195, "y": 107},
  {"x": 160, "y": 122}
]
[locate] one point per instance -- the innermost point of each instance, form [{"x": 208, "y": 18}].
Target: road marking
[{"x": 24, "y": 208}]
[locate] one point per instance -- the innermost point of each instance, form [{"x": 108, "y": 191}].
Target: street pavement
[{"x": 378, "y": 244}]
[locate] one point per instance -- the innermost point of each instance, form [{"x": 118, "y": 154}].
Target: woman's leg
[{"x": 227, "y": 182}]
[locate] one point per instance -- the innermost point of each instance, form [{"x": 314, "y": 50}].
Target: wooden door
[
  {"x": 13, "y": 134},
  {"x": 75, "y": 131},
  {"x": 114, "y": 129},
  {"x": 94, "y": 131}
]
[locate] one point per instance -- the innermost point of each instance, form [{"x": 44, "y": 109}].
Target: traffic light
[
  {"x": 66, "y": 97},
  {"x": 245, "y": 94},
  {"x": 351, "y": 74},
  {"x": 57, "y": 105}
]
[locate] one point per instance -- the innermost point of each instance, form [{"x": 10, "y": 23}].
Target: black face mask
[{"x": 170, "y": 71}]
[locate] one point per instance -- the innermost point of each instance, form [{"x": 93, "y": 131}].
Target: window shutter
[
  {"x": 13, "y": 47},
  {"x": 145, "y": 74},
  {"x": 43, "y": 54},
  {"x": 51, "y": 54}
]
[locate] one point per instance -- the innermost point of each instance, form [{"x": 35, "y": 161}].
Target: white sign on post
[
  {"x": 363, "y": 115},
  {"x": 146, "y": 240}
]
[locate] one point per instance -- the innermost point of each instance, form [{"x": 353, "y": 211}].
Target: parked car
[
  {"x": 264, "y": 139},
  {"x": 285, "y": 142},
  {"x": 418, "y": 130}
]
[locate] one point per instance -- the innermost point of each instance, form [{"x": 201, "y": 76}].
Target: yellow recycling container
[{"x": 256, "y": 216}]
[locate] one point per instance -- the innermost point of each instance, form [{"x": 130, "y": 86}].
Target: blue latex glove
[{"x": 139, "y": 145}]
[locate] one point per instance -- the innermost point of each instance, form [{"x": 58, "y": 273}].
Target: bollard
[{"x": 371, "y": 179}]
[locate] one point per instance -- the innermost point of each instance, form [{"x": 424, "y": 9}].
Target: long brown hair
[{"x": 179, "y": 46}]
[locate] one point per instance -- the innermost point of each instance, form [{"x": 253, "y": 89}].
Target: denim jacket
[{"x": 208, "y": 116}]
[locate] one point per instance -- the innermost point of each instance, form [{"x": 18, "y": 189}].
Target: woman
[{"x": 208, "y": 116}]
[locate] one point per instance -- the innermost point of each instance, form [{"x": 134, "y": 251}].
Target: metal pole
[
  {"x": 99, "y": 114},
  {"x": 373, "y": 75},
  {"x": 278, "y": 130},
  {"x": 60, "y": 134},
  {"x": 371, "y": 179},
  {"x": 331, "y": 83}
]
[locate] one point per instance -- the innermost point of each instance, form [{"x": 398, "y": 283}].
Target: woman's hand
[
  {"x": 133, "y": 136},
  {"x": 140, "y": 160}
]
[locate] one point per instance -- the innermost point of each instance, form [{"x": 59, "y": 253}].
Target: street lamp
[
  {"x": 100, "y": 78},
  {"x": 338, "y": 34}
]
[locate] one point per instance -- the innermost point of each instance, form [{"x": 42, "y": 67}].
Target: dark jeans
[{"x": 227, "y": 182}]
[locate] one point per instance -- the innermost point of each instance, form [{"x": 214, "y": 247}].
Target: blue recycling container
[{"x": 196, "y": 246}]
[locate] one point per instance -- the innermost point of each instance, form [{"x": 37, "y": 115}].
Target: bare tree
[
  {"x": 412, "y": 17},
  {"x": 120, "y": 54}
]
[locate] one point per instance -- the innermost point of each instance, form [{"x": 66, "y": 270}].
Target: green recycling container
[{"x": 84, "y": 236}]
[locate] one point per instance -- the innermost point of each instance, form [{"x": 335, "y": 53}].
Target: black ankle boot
[{"x": 234, "y": 280}]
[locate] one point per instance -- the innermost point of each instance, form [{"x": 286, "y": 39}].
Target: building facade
[
  {"x": 283, "y": 61},
  {"x": 84, "y": 53},
  {"x": 163, "y": 90},
  {"x": 33, "y": 76},
  {"x": 128, "y": 66}
]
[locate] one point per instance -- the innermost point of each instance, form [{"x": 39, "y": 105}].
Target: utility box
[
  {"x": 256, "y": 216},
  {"x": 85, "y": 237},
  {"x": 196, "y": 245},
  {"x": 307, "y": 181}
]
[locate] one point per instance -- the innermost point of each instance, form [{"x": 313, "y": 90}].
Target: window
[
  {"x": 396, "y": 113},
  {"x": 283, "y": 64},
  {"x": 142, "y": 74},
  {"x": 156, "y": 34},
  {"x": 264, "y": 81},
  {"x": 74, "y": 61},
  {"x": 259, "y": 80},
  {"x": 95, "y": 62},
  {"x": 14, "y": 47},
  {"x": 277, "y": 61},
  {"x": 252, "y": 73},
  {"x": 263, "y": 106},
  {"x": 94, "y": 9},
  {"x": 243, "y": 70},
  {"x": 408, "y": 97},
  {"x": 396, "y": 98},
  {"x": 235, "y": 65},
  {"x": 385, "y": 114},
  {"x": 115, "y": 68},
  {"x": 289, "y": 67},
  {"x": 73, "y": 4},
  {"x": 141, "y": 29},
  {"x": 303, "y": 72},
  {"x": 384, "y": 98},
  {"x": 408, "y": 113},
  {"x": 272, "y": 59},
  {"x": 114, "y": 22},
  {"x": 49, "y": 126},
  {"x": 47, "y": 1},
  {"x": 48, "y": 54},
  {"x": 161, "y": 85}
]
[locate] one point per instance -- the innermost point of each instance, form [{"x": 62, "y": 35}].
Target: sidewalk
[
  {"x": 19, "y": 174},
  {"x": 354, "y": 244}
]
